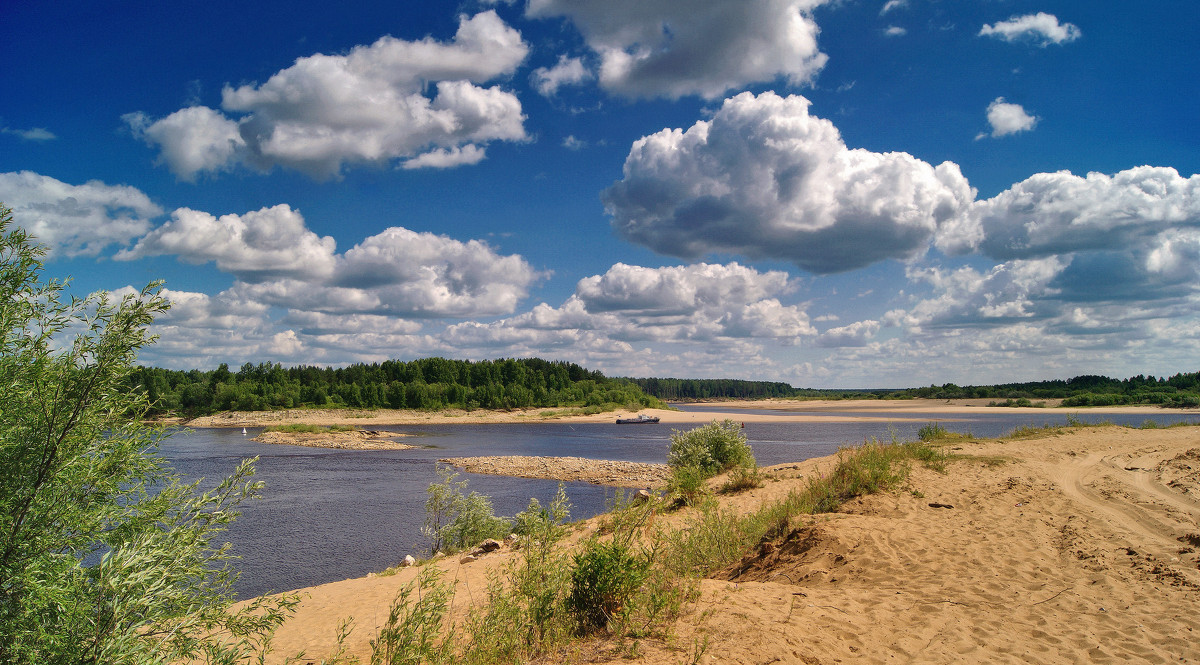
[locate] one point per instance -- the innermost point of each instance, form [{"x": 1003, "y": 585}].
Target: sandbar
[
  {"x": 574, "y": 469},
  {"x": 346, "y": 440}
]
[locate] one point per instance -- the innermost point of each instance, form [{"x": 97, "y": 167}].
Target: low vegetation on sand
[{"x": 630, "y": 580}]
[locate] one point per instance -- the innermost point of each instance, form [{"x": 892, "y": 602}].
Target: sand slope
[
  {"x": 1080, "y": 547},
  {"x": 1070, "y": 553}
]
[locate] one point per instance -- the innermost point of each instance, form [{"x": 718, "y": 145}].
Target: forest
[
  {"x": 425, "y": 384},
  {"x": 1180, "y": 390},
  {"x": 440, "y": 383}
]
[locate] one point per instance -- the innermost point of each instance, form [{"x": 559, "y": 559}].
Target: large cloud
[
  {"x": 368, "y": 106},
  {"x": 279, "y": 262},
  {"x": 1124, "y": 287},
  {"x": 1008, "y": 293},
  {"x": 263, "y": 244},
  {"x": 404, "y": 273},
  {"x": 674, "y": 304},
  {"x": 765, "y": 179},
  {"x": 200, "y": 330},
  {"x": 76, "y": 220},
  {"x": 677, "y": 289},
  {"x": 664, "y": 48},
  {"x": 1056, "y": 213}
]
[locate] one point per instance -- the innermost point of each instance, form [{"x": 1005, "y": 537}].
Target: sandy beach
[
  {"x": 740, "y": 410},
  {"x": 1074, "y": 547}
]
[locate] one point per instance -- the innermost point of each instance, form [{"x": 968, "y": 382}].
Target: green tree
[{"x": 106, "y": 556}]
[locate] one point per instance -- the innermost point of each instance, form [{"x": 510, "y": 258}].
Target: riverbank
[
  {"x": 779, "y": 410},
  {"x": 1075, "y": 544}
]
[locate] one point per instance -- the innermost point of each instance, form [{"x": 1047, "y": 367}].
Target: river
[{"x": 328, "y": 515}]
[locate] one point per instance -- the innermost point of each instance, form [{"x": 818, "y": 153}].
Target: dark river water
[{"x": 328, "y": 515}]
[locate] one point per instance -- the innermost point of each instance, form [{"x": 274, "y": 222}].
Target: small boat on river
[{"x": 641, "y": 419}]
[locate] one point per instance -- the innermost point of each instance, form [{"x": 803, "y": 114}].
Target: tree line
[
  {"x": 1180, "y": 390},
  {"x": 440, "y": 383},
  {"x": 425, "y": 384},
  {"x": 696, "y": 389}
]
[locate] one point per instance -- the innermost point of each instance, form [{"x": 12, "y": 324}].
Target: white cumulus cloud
[
  {"x": 765, "y": 179},
  {"x": 191, "y": 141},
  {"x": 447, "y": 157},
  {"x": 1008, "y": 118},
  {"x": 405, "y": 273},
  {"x": 1056, "y": 213},
  {"x": 858, "y": 333},
  {"x": 677, "y": 289},
  {"x": 255, "y": 246},
  {"x": 965, "y": 297},
  {"x": 568, "y": 71},
  {"x": 76, "y": 220},
  {"x": 369, "y": 106},
  {"x": 1041, "y": 27},
  {"x": 700, "y": 303},
  {"x": 664, "y": 48}
]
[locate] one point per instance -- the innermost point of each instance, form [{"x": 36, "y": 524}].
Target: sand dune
[{"x": 1074, "y": 547}]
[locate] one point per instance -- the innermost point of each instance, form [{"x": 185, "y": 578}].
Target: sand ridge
[{"x": 1071, "y": 547}]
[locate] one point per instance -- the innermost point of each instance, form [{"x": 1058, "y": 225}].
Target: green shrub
[
  {"x": 687, "y": 483},
  {"x": 414, "y": 632},
  {"x": 605, "y": 577},
  {"x": 454, "y": 520},
  {"x": 932, "y": 432},
  {"x": 546, "y": 524},
  {"x": 625, "y": 513},
  {"x": 525, "y": 615},
  {"x": 712, "y": 448}
]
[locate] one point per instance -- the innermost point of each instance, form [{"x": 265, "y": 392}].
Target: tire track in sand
[{"x": 1076, "y": 479}]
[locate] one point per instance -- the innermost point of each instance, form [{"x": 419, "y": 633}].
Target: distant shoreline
[{"x": 773, "y": 410}]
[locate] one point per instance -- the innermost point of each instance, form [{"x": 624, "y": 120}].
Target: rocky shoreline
[
  {"x": 573, "y": 469},
  {"x": 359, "y": 439}
]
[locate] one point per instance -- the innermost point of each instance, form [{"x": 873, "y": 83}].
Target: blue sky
[{"x": 829, "y": 193}]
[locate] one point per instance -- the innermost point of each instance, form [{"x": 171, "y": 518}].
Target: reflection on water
[{"x": 328, "y": 515}]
